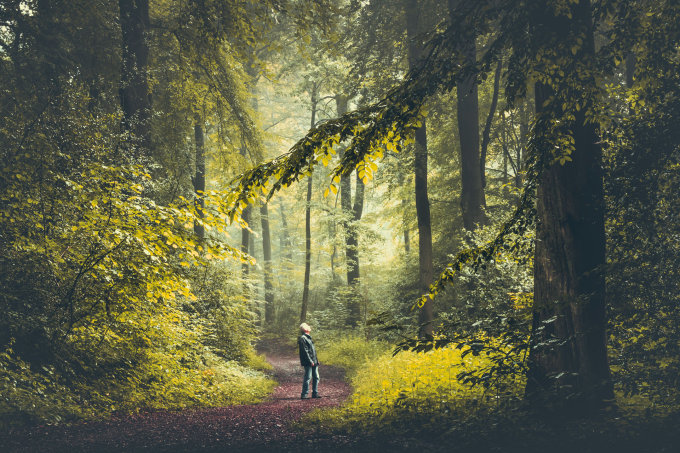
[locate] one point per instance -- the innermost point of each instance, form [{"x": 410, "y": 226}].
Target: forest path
[{"x": 246, "y": 428}]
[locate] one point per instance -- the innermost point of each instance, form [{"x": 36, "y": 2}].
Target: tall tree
[
  {"x": 353, "y": 242},
  {"x": 308, "y": 216},
  {"x": 352, "y": 209},
  {"x": 472, "y": 199},
  {"x": 253, "y": 71},
  {"x": 134, "y": 86},
  {"x": 486, "y": 133},
  {"x": 569, "y": 351},
  {"x": 426, "y": 273},
  {"x": 268, "y": 267},
  {"x": 341, "y": 102},
  {"x": 351, "y": 214},
  {"x": 199, "y": 178},
  {"x": 404, "y": 221},
  {"x": 284, "y": 238},
  {"x": 245, "y": 238}
]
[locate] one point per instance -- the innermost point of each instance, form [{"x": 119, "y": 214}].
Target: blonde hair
[{"x": 305, "y": 327}]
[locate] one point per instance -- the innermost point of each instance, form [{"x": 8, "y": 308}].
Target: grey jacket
[{"x": 307, "y": 350}]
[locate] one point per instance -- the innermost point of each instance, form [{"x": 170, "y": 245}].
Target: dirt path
[{"x": 247, "y": 428}]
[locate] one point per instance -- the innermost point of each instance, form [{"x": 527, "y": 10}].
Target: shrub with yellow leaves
[{"x": 393, "y": 391}]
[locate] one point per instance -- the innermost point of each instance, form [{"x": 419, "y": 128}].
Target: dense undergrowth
[
  {"x": 165, "y": 382},
  {"x": 418, "y": 396},
  {"x": 393, "y": 391},
  {"x": 110, "y": 302}
]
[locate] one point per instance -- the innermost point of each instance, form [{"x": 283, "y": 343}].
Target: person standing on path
[{"x": 309, "y": 361}]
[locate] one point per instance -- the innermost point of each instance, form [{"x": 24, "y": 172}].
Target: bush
[
  {"x": 350, "y": 352},
  {"x": 45, "y": 395},
  {"x": 411, "y": 390}
]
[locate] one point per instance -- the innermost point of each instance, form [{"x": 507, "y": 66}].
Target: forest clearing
[{"x": 473, "y": 204}]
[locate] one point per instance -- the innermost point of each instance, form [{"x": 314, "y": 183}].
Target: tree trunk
[
  {"x": 407, "y": 239},
  {"x": 353, "y": 273},
  {"x": 286, "y": 245},
  {"x": 569, "y": 355},
  {"x": 472, "y": 200},
  {"x": 353, "y": 211},
  {"x": 522, "y": 145},
  {"x": 134, "y": 87},
  {"x": 404, "y": 207},
  {"x": 351, "y": 216},
  {"x": 267, "y": 258},
  {"x": 346, "y": 200},
  {"x": 308, "y": 223},
  {"x": 506, "y": 151},
  {"x": 245, "y": 238},
  {"x": 422, "y": 202},
  {"x": 334, "y": 253},
  {"x": 252, "y": 71},
  {"x": 489, "y": 121},
  {"x": 308, "y": 252},
  {"x": 199, "y": 178}
]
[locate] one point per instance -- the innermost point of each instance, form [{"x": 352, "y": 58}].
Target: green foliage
[
  {"x": 97, "y": 277},
  {"x": 642, "y": 158},
  {"x": 222, "y": 303},
  {"x": 30, "y": 397},
  {"x": 350, "y": 352},
  {"x": 167, "y": 380},
  {"x": 399, "y": 393},
  {"x": 109, "y": 302},
  {"x": 389, "y": 125}
]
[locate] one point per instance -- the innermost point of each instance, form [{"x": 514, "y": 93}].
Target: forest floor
[
  {"x": 267, "y": 426},
  {"x": 271, "y": 426}
]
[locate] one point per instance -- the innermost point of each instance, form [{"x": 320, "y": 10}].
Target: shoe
[
  {"x": 317, "y": 396},
  {"x": 305, "y": 397}
]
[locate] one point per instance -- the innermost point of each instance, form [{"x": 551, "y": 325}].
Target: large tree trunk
[
  {"x": 422, "y": 202},
  {"x": 472, "y": 200},
  {"x": 199, "y": 178},
  {"x": 569, "y": 354},
  {"x": 308, "y": 223},
  {"x": 134, "y": 88},
  {"x": 267, "y": 257}
]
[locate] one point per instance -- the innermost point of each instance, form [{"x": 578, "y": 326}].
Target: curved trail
[{"x": 245, "y": 428}]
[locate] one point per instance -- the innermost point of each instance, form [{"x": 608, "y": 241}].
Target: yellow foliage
[{"x": 391, "y": 389}]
